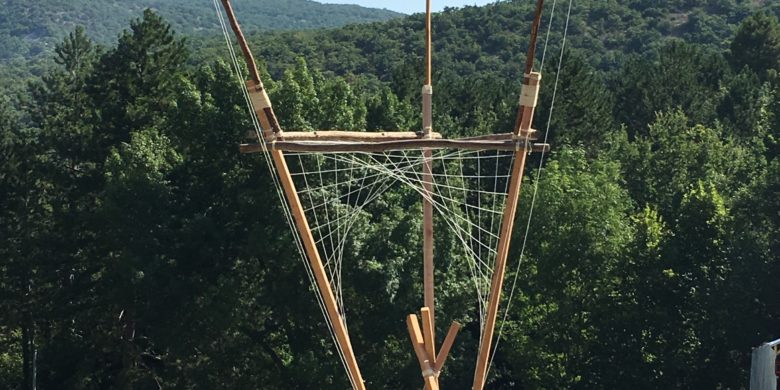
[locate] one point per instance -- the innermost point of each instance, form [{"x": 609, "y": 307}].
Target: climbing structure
[{"x": 326, "y": 179}]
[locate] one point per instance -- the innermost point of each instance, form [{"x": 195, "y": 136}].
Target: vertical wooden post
[
  {"x": 268, "y": 121},
  {"x": 428, "y": 43},
  {"x": 522, "y": 126},
  {"x": 428, "y": 264},
  {"x": 427, "y": 178},
  {"x": 427, "y": 328}
]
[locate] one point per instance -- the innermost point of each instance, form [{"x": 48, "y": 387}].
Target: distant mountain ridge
[{"x": 30, "y": 28}]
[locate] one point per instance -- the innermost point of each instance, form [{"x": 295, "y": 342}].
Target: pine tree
[
  {"x": 684, "y": 77},
  {"x": 757, "y": 45},
  {"x": 63, "y": 111},
  {"x": 583, "y": 106},
  {"x": 134, "y": 84}
]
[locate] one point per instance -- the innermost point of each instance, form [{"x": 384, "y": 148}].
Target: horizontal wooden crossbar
[
  {"x": 386, "y": 146},
  {"x": 349, "y": 136},
  {"x": 380, "y": 136},
  {"x": 531, "y": 135}
]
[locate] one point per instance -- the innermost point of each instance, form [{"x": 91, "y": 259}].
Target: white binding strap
[
  {"x": 427, "y": 100},
  {"x": 529, "y": 94},
  {"x": 259, "y": 97},
  {"x": 428, "y": 373}
]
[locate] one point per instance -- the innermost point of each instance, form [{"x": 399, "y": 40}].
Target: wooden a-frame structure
[{"x": 520, "y": 140}]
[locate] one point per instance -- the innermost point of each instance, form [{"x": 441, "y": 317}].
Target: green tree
[
  {"x": 756, "y": 259},
  {"x": 384, "y": 111},
  {"x": 343, "y": 110},
  {"x": 747, "y": 107},
  {"x": 695, "y": 298},
  {"x": 684, "y": 77},
  {"x": 290, "y": 102},
  {"x": 668, "y": 162},
  {"x": 757, "y": 45},
  {"x": 134, "y": 84},
  {"x": 25, "y": 211},
  {"x": 570, "y": 271},
  {"x": 583, "y": 107}
]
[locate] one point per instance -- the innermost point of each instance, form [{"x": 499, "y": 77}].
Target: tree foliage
[{"x": 140, "y": 250}]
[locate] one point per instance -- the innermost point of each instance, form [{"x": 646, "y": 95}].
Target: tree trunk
[{"x": 29, "y": 356}]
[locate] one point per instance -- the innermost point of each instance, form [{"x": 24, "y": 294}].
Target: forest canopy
[{"x": 141, "y": 250}]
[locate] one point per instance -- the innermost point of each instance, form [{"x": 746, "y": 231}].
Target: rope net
[{"x": 468, "y": 193}]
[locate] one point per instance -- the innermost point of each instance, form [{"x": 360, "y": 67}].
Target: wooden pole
[
  {"x": 428, "y": 44},
  {"x": 268, "y": 121},
  {"x": 427, "y": 179},
  {"x": 523, "y": 123},
  {"x": 350, "y": 136},
  {"x": 428, "y": 265},
  {"x": 342, "y": 147},
  {"x": 382, "y": 136},
  {"x": 446, "y": 346},
  {"x": 273, "y": 123},
  {"x": 499, "y": 269}
]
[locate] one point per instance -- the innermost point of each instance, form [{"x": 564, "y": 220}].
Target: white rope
[
  {"x": 333, "y": 185},
  {"x": 537, "y": 179},
  {"x": 336, "y": 187},
  {"x": 278, "y": 187}
]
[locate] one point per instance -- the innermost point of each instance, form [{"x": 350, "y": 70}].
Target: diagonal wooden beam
[
  {"x": 264, "y": 111},
  {"x": 446, "y": 346},
  {"x": 418, "y": 343},
  {"x": 525, "y": 114}
]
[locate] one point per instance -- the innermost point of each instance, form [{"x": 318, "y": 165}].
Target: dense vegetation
[
  {"x": 140, "y": 250},
  {"x": 491, "y": 39},
  {"x": 30, "y": 29}
]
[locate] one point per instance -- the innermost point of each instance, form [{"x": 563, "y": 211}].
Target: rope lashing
[
  {"x": 529, "y": 95},
  {"x": 260, "y": 100},
  {"x": 427, "y": 96}
]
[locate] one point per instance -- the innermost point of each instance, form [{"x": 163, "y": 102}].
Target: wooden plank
[
  {"x": 349, "y": 136},
  {"x": 418, "y": 343},
  {"x": 378, "y": 147},
  {"x": 446, "y": 346},
  {"x": 428, "y": 334},
  {"x": 413, "y": 324},
  {"x": 531, "y": 135},
  {"x": 431, "y": 383}
]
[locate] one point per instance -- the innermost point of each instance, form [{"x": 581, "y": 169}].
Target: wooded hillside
[
  {"x": 30, "y": 28},
  {"x": 141, "y": 250}
]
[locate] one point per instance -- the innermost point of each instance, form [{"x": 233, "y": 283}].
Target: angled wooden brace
[
  {"x": 525, "y": 114},
  {"x": 265, "y": 114}
]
